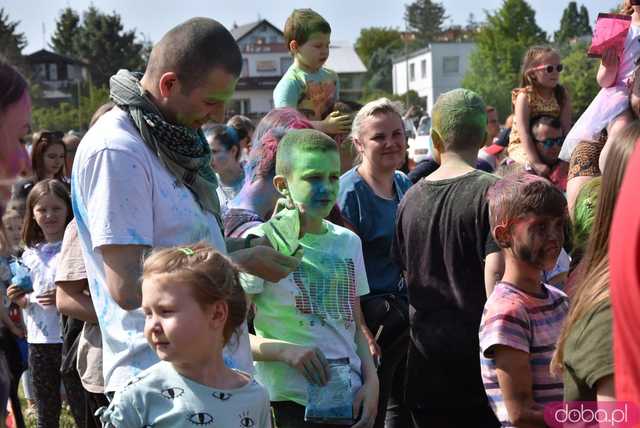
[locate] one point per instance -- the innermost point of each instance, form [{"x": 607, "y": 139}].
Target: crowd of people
[{"x": 168, "y": 268}]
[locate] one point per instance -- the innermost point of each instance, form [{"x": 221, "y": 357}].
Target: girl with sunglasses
[
  {"x": 610, "y": 109},
  {"x": 540, "y": 94}
]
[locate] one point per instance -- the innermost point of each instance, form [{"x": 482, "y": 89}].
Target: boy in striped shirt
[{"x": 523, "y": 316}]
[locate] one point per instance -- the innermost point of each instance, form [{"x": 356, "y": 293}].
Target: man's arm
[
  {"x": 516, "y": 385},
  {"x": 71, "y": 300},
  {"x": 123, "y": 268},
  {"x": 261, "y": 259}
]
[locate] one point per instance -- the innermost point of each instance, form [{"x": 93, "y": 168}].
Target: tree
[
  {"x": 67, "y": 31},
  {"x": 579, "y": 77},
  {"x": 71, "y": 115},
  {"x": 426, "y": 18},
  {"x": 100, "y": 41},
  {"x": 373, "y": 38},
  {"x": 573, "y": 23},
  {"x": 380, "y": 74},
  {"x": 495, "y": 64},
  {"x": 11, "y": 42},
  {"x": 584, "y": 23}
]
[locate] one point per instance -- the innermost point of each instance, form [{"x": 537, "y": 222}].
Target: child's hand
[
  {"x": 17, "y": 296},
  {"x": 47, "y": 298},
  {"x": 336, "y": 123},
  {"x": 541, "y": 169},
  {"x": 610, "y": 58},
  {"x": 311, "y": 362},
  {"x": 366, "y": 404}
]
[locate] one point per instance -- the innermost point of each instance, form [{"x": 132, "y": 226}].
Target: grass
[{"x": 66, "y": 420}]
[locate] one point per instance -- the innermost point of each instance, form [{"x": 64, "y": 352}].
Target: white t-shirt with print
[
  {"x": 313, "y": 306},
  {"x": 122, "y": 195},
  {"x": 43, "y": 322}
]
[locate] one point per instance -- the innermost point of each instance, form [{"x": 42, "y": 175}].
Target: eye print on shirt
[
  {"x": 200, "y": 418},
  {"x": 171, "y": 393},
  {"x": 246, "y": 421},
  {"x": 222, "y": 396}
]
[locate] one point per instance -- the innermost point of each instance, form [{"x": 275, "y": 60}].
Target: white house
[
  {"x": 266, "y": 59},
  {"x": 433, "y": 70}
]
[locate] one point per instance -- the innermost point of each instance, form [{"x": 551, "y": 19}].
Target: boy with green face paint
[
  {"x": 307, "y": 85},
  {"x": 443, "y": 243},
  {"x": 311, "y": 318}
]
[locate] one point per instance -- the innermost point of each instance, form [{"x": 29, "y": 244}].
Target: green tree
[
  {"x": 66, "y": 33},
  {"x": 584, "y": 23},
  {"x": 573, "y": 23},
  {"x": 579, "y": 77},
  {"x": 426, "y": 18},
  {"x": 373, "y": 38},
  {"x": 74, "y": 114},
  {"x": 101, "y": 41},
  {"x": 495, "y": 64},
  {"x": 11, "y": 41},
  {"x": 380, "y": 74}
]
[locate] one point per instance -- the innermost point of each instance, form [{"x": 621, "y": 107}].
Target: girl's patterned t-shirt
[
  {"x": 529, "y": 323},
  {"x": 161, "y": 397}
]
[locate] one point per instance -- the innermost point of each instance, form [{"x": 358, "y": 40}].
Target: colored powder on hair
[{"x": 459, "y": 108}]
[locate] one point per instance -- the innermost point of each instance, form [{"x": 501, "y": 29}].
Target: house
[
  {"x": 266, "y": 59},
  {"x": 58, "y": 75},
  {"x": 438, "y": 68}
]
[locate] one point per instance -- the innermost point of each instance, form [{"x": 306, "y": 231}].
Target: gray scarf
[{"x": 183, "y": 151}]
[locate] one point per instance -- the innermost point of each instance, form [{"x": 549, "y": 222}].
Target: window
[
  {"x": 450, "y": 64},
  {"x": 245, "y": 68},
  {"x": 266, "y": 65},
  {"x": 239, "y": 106},
  {"x": 285, "y": 63},
  {"x": 423, "y": 69},
  {"x": 53, "y": 71},
  {"x": 412, "y": 72}
]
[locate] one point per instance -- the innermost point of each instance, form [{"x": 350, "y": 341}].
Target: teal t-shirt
[
  {"x": 160, "y": 397},
  {"x": 313, "y": 306},
  {"x": 313, "y": 94}
]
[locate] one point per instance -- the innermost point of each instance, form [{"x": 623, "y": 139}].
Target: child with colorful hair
[
  {"x": 523, "y": 316},
  {"x": 307, "y": 85}
]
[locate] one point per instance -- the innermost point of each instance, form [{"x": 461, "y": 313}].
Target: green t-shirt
[
  {"x": 313, "y": 94},
  {"x": 588, "y": 354},
  {"x": 313, "y": 306}
]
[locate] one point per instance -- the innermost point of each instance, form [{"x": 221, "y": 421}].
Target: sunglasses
[
  {"x": 549, "y": 68},
  {"x": 550, "y": 142}
]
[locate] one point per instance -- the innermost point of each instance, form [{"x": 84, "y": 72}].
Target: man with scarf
[{"x": 143, "y": 180}]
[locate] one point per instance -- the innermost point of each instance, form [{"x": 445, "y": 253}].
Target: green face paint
[
  {"x": 314, "y": 182},
  {"x": 206, "y": 102}
]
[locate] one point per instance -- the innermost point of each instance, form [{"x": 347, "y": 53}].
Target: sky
[{"x": 152, "y": 18}]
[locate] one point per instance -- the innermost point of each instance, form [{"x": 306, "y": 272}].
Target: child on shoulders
[
  {"x": 523, "y": 316},
  {"x": 307, "y": 85},
  {"x": 540, "y": 94}
]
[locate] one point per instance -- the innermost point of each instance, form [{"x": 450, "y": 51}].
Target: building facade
[
  {"x": 438, "y": 68},
  {"x": 266, "y": 59},
  {"x": 58, "y": 75}
]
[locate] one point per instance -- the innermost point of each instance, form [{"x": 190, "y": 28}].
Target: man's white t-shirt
[{"x": 122, "y": 195}]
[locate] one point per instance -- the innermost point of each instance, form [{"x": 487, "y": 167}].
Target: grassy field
[{"x": 66, "y": 420}]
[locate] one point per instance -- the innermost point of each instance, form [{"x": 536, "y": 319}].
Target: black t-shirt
[
  {"x": 441, "y": 241},
  {"x": 429, "y": 165}
]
